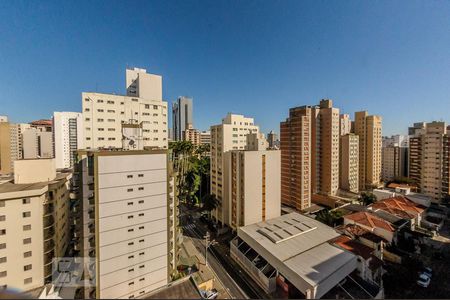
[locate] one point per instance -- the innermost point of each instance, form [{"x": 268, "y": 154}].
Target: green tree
[
  {"x": 209, "y": 202},
  {"x": 367, "y": 198},
  {"x": 331, "y": 218}
]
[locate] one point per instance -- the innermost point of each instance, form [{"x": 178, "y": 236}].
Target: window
[
  {"x": 27, "y": 254},
  {"x": 2, "y": 245},
  {"x": 111, "y": 120},
  {"x": 131, "y": 256},
  {"x": 99, "y": 101},
  {"x": 129, "y": 190},
  {"x": 111, "y": 111},
  {"x": 26, "y": 214},
  {"x": 141, "y": 214},
  {"x": 2, "y": 203},
  {"x": 27, "y": 267},
  {"x": 155, "y": 106},
  {"x": 130, "y": 217},
  {"x": 2, "y": 231},
  {"x": 26, "y": 227},
  {"x": 27, "y": 241},
  {"x": 131, "y": 270},
  {"x": 99, "y": 120},
  {"x": 142, "y": 253},
  {"x": 141, "y": 241},
  {"x": 101, "y": 129},
  {"x": 141, "y": 189},
  {"x": 110, "y": 102},
  {"x": 111, "y": 129},
  {"x": 140, "y": 175},
  {"x": 141, "y": 266},
  {"x": 142, "y": 279},
  {"x": 130, "y": 244},
  {"x": 131, "y": 283},
  {"x": 26, "y": 201},
  {"x": 3, "y": 274},
  {"x": 100, "y": 110},
  {"x": 28, "y": 280},
  {"x": 2, "y": 218},
  {"x": 2, "y": 260},
  {"x": 87, "y": 119},
  {"x": 141, "y": 201},
  {"x": 130, "y": 230},
  {"x": 130, "y": 203},
  {"x": 101, "y": 139},
  {"x": 141, "y": 227}
]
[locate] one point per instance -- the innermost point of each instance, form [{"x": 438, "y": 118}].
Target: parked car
[
  {"x": 428, "y": 272},
  {"x": 212, "y": 294},
  {"x": 424, "y": 280}
]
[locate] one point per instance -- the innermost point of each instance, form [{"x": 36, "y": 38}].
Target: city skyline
[{"x": 360, "y": 61}]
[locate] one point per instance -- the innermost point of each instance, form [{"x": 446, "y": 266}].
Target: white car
[
  {"x": 424, "y": 280},
  {"x": 212, "y": 294}
]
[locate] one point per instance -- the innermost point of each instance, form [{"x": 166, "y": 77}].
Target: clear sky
[{"x": 257, "y": 58}]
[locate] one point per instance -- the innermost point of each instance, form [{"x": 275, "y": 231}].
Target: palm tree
[{"x": 209, "y": 202}]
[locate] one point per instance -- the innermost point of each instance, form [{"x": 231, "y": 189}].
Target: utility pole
[{"x": 208, "y": 243}]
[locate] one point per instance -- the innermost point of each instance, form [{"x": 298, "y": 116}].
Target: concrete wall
[{"x": 34, "y": 170}]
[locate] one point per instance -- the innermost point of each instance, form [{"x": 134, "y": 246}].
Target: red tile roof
[
  {"x": 42, "y": 122},
  {"x": 353, "y": 246},
  {"x": 369, "y": 220},
  {"x": 399, "y": 203}
]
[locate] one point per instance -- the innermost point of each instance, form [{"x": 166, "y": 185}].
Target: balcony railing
[{"x": 48, "y": 221}]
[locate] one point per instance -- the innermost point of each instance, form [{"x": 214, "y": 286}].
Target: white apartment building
[
  {"x": 345, "y": 124},
  {"x": 104, "y": 114},
  {"x": 67, "y": 137},
  {"x": 126, "y": 220},
  {"x": 254, "y": 193},
  {"x": 230, "y": 135},
  {"x": 34, "y": 223},
  {"x": 37, "y": 144}
]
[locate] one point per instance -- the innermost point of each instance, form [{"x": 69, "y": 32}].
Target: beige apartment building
[
  {"x": 345, "y": 124},
  {"x": 34, "y": 223},
  {"x": 394, "y": 162},
  {"x": 368, "y": 128},
  {"x": 256, "y": 142},
  {"x": 37, "y": 144},
  {"x": 104, "y": 114},
  {"x": 191, "y": 135},
  {"x": 205, "y": 137},
  {"x": 254, "y": 191},
  {"x": 230, "y": 135},
  {"x": 429, "y": 159},
  {"x": 126, "y": 220},
  {"x": 5, "y": 148},
  {"x": 296, "y": 145},
  {"x": 349, "y": 168}
]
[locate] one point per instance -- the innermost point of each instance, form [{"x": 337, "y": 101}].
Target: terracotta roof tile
[
  {"x": 399, "y": 203},
  {"x": 369, "y": 220},
  {"x": 353, "y": 246}
]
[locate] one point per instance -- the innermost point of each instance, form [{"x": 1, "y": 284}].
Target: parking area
[{"x": 400, "y": 281}]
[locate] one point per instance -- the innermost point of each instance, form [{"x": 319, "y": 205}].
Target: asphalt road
[{"x": 228, "y": 283}]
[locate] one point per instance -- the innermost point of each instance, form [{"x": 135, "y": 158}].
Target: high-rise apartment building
[
  {"x": 104, "y": 114},
  {"x": 296, "y": 162},
  {"x": 272, "y": 139},
  {"x": 253, "y": 193},
  {"x": 182, "y": 116},
  {"x": 429, "y": 159},
  {"x": 205, "y": 137},
  {"x": 37, "y": 143},
  {"x": 5, "y": 147},
  {"x": 230, "y": 135},
  {"x": 394, "y": 162},
  {"x": 17, "y": 131},
  {"x": 349, "y": 166},
  {"x": 345, "y": 124},
  {"x": 256, "y": 142},
  {"x": 126, "y": 220},
  {"x": 67, "y": 137},
  {"x": 191, "y": 135},
  {"x": 325, "y": 123},
  {"x": 34, "y": 223},
  {"x": 368, "y": 128}
]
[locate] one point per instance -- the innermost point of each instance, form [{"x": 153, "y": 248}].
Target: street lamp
[{"x": 208, "y": 243}]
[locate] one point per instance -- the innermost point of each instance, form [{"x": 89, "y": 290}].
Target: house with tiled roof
[
  {"x": 400, "y": 207},
  {"x": 369, "y": 266},
  {"x": 372, "y": 223}
]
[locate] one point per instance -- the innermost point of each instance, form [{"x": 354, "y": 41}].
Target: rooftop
[
  {"x": 296, "y": 244},
  {"x": 355, "y": 230},
  {"x": 44, "y": 122},
  {"x": 370, "y": 220},
  {"x": 181, "y": 289},
  {"x": 399, "y": 203},
  {"x": 353, "y": 246}
]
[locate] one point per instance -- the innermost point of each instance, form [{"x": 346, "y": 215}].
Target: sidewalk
[{"x": 204, "y": 273}]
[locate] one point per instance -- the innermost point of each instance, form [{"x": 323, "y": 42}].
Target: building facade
[
  {"x": 345, "y": 124},
  {"x": 104, "y": 114},
  {"x": 368, "y": 128},
  {"x": 349, "y": 168},
  {"x": 67, "y": 137},
  {"x": 182, "y": 116},
  {"x": 34, "y": 223},
  {"x": 126, "y": 220},
  {"x": 429, "y": 159},
  {"x": 272, "y": 139},
  {"x": 191, "y": 135},
  {"x": 256, "y": 142},
  {"x": 295, "y": 145},
  {"x": 230, "y": 135},
  {"x": 253, "y": 194},
  {"x": 5, "y": 147},
  {"x": 394, "y": 163},
  {"x": 37, "y": 143}
]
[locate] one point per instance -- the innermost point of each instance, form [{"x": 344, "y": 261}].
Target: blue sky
[{"x": 257, "y": 58}]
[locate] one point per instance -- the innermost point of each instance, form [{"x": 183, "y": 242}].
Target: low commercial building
[
  {"x": 294, "y": 250},
  {"x": 34, "y": 223}
]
